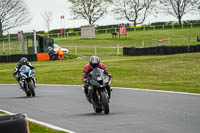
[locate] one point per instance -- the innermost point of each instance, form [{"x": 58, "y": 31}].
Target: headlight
[{"x": 99, "y": 78}]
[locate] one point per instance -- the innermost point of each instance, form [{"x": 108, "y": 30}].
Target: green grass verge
[
  {"x": 35, "y": 128},
  {"x": 177, "y": 37},
  {"x": 172, "y": 72}
]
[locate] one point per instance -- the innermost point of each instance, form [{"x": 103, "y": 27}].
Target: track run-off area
[{"x": 131, "y": 110}]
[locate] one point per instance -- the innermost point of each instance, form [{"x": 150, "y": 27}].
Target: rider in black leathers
[{"x": 16, "y": 74}]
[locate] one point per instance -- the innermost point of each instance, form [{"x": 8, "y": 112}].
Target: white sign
[{"x": 88, "y": 32}]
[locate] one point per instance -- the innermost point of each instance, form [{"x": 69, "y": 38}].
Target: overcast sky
[{"x": 61, "y": 8}]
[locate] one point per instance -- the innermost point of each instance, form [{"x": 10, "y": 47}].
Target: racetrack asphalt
[{"x": 131, "y": 111}]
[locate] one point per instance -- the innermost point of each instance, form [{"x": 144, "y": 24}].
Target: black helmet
[
  {"x": 23, "y": 61},
  {"x": 94, "y": 61}
]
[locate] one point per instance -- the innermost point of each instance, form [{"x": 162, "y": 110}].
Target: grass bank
[
  {"x": 82, "y": 47},
  {"x": 173, "y": 72},
  {"x": 176, "y": 36}
]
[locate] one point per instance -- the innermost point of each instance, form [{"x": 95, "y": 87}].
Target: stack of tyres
[
  {"x": 13, "y": 124},
  {"x": 13, "y": 58},
  {"x": 193, "y": 49},
  {"x": 4, "y": 59},
  {"x": 18, "y": 57},
  {"x": 198, "y": 48}
]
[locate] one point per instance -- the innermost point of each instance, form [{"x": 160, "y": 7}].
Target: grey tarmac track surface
[{"x": 131, "y": 111}]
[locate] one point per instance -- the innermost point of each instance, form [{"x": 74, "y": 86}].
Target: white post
[
  {"x": 142, "y": 43},
  {"x": 3, "y": 47},
  {"x": 35, "y": 41},
  {"x": 163, "y": 27},
  {"x": 118, "y": 49},
  {"x": 9, "y": 42},
  {"x": 169, "y": 42},
  {"x": 144, "y": 28},
  {"x": 22, "y": 42},
  {"x": 95, "y": 50},
  {"x": 191, "y": 25},
  {"x": 75, "y": 49}
]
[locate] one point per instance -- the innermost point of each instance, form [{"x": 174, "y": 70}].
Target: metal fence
[
  {"x": 95, "y": 50},
  {"x": 10, "y": 44},
  {"x": 17, "y": 43}
]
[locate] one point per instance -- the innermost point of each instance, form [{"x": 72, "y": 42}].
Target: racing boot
[
  {"x": 85, "y": 88},
  {"x": 21, "y": 83},
  {"x": 109, "y": 91},
  {"x": 34, "y": 82}
]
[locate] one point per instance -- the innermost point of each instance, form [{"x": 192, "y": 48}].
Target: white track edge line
[
  {"x": 42, "y": 123},
  {"x": 135, "y": 89}
]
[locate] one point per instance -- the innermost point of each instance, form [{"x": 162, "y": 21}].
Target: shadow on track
[
  {"x": 98, "y": 114},
  {"x": 21, "y": 97}
]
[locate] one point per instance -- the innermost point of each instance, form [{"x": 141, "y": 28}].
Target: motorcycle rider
[
  {"x": 94, "y": 62},
  {"x": 16, "y": 74}
]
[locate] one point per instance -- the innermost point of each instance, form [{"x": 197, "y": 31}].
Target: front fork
[
  {"x": 24, "y": 82},
  {"x": 98, "y": 95}
]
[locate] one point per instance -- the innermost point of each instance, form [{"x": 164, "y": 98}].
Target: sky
[{"x": 61, "y": 8}]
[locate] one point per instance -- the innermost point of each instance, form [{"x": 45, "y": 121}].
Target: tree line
[{"x": 14, "y": 13}]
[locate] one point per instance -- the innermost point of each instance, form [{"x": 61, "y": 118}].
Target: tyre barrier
[
  {"x": 17, "y": 57},
  {"x": 14, "y": 124},
  {"x": 160, "y": 50}
]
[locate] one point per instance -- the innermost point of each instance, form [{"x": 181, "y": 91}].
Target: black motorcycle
[
  {"x": 26, "y": 80},
  {"x": 98, "y": 80}
]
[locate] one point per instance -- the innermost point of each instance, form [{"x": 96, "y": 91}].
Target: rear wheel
[
  {"x": 104, "y": 101},
  {"x": 31, "y": 88}
]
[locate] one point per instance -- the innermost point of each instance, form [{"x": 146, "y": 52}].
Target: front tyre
[
  {"x": 28, "y": 93},
  {"x": 31, "y": 88},
  {"x": 104, "y": 101},
  {"x": 96, "y": 109}
]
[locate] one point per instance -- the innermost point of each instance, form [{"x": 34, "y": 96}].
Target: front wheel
[
  {"x": 96, "y": 109},
  {"x": 31, "y": 88},
  {"x": 104, "y": 101}
]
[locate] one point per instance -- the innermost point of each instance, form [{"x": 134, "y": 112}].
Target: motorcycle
[
  {"x": 26, "y": 80},
  {"x": 98, "y": 80}
]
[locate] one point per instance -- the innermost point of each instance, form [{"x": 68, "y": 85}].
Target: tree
[
  {"x": 135, "y": 11},
  {"x": 90, "y": 10},
  {"x": 13, "y": 13},
  {"x": 178, "y": 8},
  {"x": 47, "y": 17}
]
